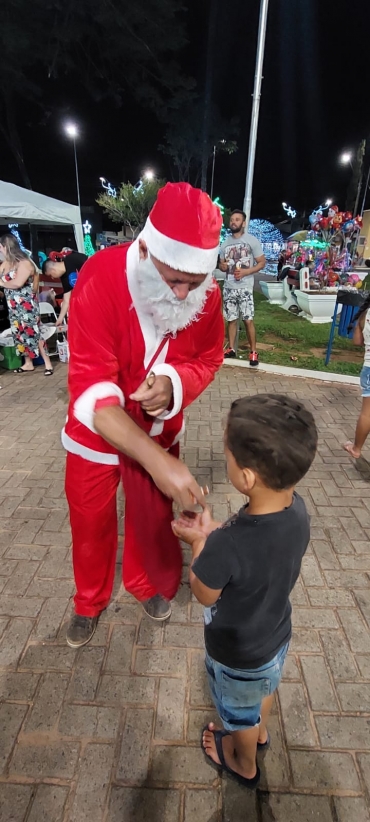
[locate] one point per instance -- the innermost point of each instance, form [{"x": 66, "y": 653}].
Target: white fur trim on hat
[{"x": 179, "y": 256}]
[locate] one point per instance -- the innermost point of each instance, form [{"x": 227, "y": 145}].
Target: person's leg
[
  {"x": 266, "y": 706},
  {"x": 239, "y": 749},
  {"x": 362, "y": 430},
  {"x": 45, "y": 356},
  {"x": 251, "y": 334},
  {"x": 28, "y": 364},
  {"x": 247, "y": 312},
  {"x": 91, "y": 493},
  {"x": 231, "y": 314},
  {"x": 231, "y": 332}
]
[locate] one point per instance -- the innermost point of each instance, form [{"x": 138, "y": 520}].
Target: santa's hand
[
  {"x": 154, "y": 400},
  {"x": 175, "y": 481}
]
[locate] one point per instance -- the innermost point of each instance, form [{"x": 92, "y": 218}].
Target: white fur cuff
[
  {"x": 166, "y": 370},
  {"x": 85, "y": 405}
]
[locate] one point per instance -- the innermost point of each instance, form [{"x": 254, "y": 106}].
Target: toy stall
[{"x": 314, "y": 267}]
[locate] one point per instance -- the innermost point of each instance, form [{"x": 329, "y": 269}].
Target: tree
[
  {"x": 184, "y": 139},
  {"x": 132, "y": 204},
  {"x": 112, "y": 49}
]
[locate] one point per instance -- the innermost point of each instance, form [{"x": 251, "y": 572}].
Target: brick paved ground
[{"x": 111, "y": 733}]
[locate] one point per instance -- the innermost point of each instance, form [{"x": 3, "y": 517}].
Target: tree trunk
[
  {"x": 8, "y": 127},
  {"x": 208, "y": 91}
]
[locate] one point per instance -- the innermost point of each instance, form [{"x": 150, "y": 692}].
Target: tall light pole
[
  {"x": 213, "y": 165},
  {"x": 255, "y": 108},
  {"x": 72, "y": 131}
]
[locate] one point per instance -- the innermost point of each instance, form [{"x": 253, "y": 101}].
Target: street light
[
  {"x": 346, "y": 158},
  {"x": 72, "y": 131},
  {"x": 149, "y": 174}
]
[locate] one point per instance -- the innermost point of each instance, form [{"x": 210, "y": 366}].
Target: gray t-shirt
[{"x": 240, "y": 253}]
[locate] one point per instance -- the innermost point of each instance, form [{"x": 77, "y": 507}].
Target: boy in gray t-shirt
[{"x": 241, "y": 256}]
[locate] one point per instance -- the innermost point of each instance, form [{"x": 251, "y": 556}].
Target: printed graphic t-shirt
[
  {"x": 240, "y": 253},
  {"x": 73, "y": 263}
]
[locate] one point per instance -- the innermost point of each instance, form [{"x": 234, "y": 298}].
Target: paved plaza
[{"x": 111, "y": 733}]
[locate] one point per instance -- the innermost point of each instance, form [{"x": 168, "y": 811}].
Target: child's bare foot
[
  {"x": 227, "y": 750},
  {"x": 352, "y": 450},
  {"x": 209, "y": 743}
]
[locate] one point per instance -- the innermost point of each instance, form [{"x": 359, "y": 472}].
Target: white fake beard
[{"x": 168, "y": 312}]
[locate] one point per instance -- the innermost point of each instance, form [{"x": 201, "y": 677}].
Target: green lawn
[{"x": 292, "y": 336}]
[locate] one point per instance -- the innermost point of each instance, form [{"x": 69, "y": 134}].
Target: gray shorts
[{"x": 238, "y": 302}]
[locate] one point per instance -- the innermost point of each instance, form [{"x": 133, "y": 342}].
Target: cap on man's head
[{"x": 183, "y": 229}]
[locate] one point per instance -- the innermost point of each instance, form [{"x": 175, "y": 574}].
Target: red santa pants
[{"x": 152, "y": 559}]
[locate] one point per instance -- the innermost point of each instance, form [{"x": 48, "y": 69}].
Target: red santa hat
[{"x": 183, "y": 229}]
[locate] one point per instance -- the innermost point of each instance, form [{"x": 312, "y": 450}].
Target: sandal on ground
[
  {"x": 349, "y": 446},
  {"x": 242, "y": 780},
  {"x": 48, "y": 372},
  {"x": 23, "y": 370},
  {"x": 262, "y": 746}
]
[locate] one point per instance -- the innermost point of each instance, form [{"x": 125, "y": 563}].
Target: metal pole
[
  {"x": 77, "y": 180},
  {"x": 365, "y": 192},
  {"x": 213, "y": 170},
  {"x": 255, "y": 108}
]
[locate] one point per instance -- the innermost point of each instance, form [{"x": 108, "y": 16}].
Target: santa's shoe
[
  {"x": 157, "y": 608},
  {"x": 80, "y": 630}
]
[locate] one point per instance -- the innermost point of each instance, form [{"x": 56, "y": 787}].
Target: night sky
[{"x": 314, "y": 105}]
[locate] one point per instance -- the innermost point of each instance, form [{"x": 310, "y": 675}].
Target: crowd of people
[{"x": 158, "y": 342}]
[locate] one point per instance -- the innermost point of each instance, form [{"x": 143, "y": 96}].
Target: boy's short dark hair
[
  {"x": 46, "y": 264},
  {"x": 273, "y": 435},
  {"x": 239, "y": 211}
]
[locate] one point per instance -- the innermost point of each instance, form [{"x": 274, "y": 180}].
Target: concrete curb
[{"x": 285, "y": 371}]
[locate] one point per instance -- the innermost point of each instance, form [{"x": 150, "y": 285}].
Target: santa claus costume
[{"x": 124, "y": 324}]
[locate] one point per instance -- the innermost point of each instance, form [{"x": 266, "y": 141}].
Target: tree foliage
[
  {"x": 111, "y": 48},
  {"x": 184, "y": 139},
  {"x": 132, "y": 205}
]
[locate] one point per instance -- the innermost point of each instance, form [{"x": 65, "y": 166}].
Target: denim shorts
[
  {"x": 237, "y": 694},
  {"x": 365, "y": 381}
]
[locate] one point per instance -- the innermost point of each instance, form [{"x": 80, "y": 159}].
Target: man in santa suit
[{"x": 146, "y": 338}]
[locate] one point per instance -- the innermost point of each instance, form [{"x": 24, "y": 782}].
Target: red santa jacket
[{"x": 112, "y": 343}]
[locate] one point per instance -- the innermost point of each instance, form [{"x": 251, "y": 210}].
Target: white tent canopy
[{"x": 19, "y": 205}]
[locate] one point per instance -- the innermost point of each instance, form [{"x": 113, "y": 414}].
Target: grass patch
[{"x": 293, "y": 336}]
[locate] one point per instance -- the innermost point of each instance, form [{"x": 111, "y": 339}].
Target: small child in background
[
  {"x": 244, "y": 570},
  {"x": 361, "y": 336}
]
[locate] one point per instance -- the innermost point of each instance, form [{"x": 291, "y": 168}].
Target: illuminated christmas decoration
[
  {"x": 221, "y": 207},
  {"x": 111, "y": 191},
  {"x": 291, "y": 212},
  {"x": 270, "y": 237},
  {"x": 89, "y": 248},
  {"x": 13, "y": 228}
]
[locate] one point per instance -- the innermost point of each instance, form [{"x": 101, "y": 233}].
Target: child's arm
[
  {"x": 216, "y": 563},
  {"x": 206, "y": 596}
]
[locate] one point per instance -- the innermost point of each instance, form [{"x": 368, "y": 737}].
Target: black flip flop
[
  {"x": 24, "y": 370},
  {"x": 242, "y": 780},
  {"x": 48, "y": 372}
]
